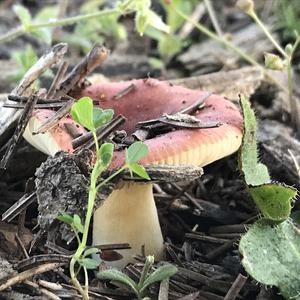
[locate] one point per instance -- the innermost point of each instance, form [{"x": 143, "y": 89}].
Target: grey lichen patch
[{"x": 62, "y": 186}]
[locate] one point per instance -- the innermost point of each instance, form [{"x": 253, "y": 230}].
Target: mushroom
[{"x": 129, "y": 213}]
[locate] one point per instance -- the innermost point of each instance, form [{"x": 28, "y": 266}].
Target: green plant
[
  {"x": 90, "y": 117},
  {"x": 271, "y": 255},
  {"x": 169, "y": 44},
  {"x": 146, "y": 279},
  {"x": 95, "y": 30},
  {"x": 271, "y": 246},
  {"x": 144, "y": 16},
  {"x": 272, "y": 199},
  {"x": 287, "y": 17},
  {"x": 277, "y": 62}
]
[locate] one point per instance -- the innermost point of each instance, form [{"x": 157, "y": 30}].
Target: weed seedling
[
  {"x": 146, "y": 279},
  {"x": 90, "y": 117}
]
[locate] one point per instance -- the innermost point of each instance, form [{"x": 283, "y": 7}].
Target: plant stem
[
  {"x": 86, "y": 284},
  {"x": 74, "y": 280},
  {"x": 147, "y": 265},
  {"x": 82, "y": 244},
  {"x": 111, "y": 177},
  {"x": 294, "y": 107},
  {"x": 76, "y": 19},
  {"x": 12, "y": 34},
  {"x": 76, "y": 234},
  {"x": 62, "y": 22},
  {"x": 257, "y": 20},
  {"x": 96, "y": 143}
]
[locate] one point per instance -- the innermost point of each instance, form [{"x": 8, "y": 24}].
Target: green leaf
[
  {"x": 254, "y": 172},
  {"x": 139, "y": 170},
  {"x": 135, "y": 152},
  {"x": 82, "y": 112},
  {"x": 90, "y": 251},
  {"x": 77, "y": 223},
  {"x": 23, "y": 14},
  {"x": 88, "y": 263},
  {"x": 155, "y": 21},
  {"x": 66, "y": 218},
  {"x": 273, "y": 200},
  {"x": 271, "y": 255},
  {"x": 116, "y": 275},
  {"x": 160, "y": 274},
  {"x": 106, "y": 153},
  {"x": 141, "y": 22},
  {"x": 101, "y": 117}
]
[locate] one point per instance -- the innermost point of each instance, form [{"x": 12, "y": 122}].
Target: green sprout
[
  {"x": 90, "y": 117},
  {"x": 146, "y": 279}
]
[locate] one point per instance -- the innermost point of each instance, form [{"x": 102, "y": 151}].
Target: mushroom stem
[{"x": 129, "y": 215}]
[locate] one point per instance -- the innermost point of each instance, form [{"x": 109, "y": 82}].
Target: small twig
[
  {"x": 24, "y": 99},
  {"x": 189, "y": 197},
  {"x": 53, "y": 121},
  {"x": 32, "y": 262},
  {"x": 50, "y": 285},
  {"x": 43, "y": 291},
  {"x": 57, "y": 249},
  {"x": 213, "y": 17},
  {"x": 112, "y": 246},
  {"x": 72, "y": 130},
  {"x": 163, "y": 290},
  {"x": 28, "y": 274},
  {"x": 198, "y": 104},
  {"x": 18, "y": 207},
  {"x": 43, "y": 64},
  {"x": 37, "y": 106},
  {"x": 205, "y": 238},
  {"x": 26, "y": 114},
  {"x": 218, "y": 251},
  {"x": 93, "y": 59},
  {"x": 236, "y": 287},
  {"x": 86, "y": 141},
  {"x": 180, "y": 119},
  {"x": 57, "y": 79},
  {"x": 21, "y": 244},
  {"x": 196, "y": 15},
  {"x": 124, "y": 92}
]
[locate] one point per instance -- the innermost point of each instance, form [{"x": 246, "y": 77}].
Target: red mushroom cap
[{"x": 151, "y": 98}]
